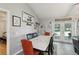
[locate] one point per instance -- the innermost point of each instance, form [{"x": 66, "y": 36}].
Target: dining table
[{"x": 41, "y": 42}]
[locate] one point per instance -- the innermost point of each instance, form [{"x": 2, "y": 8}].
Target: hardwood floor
[{"x": 3, "y": 50}]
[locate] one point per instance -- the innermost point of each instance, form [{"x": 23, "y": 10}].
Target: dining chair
[
  {"x": 50, "y": 47},
  {"x": 47, "y": 33},
  {"x": 28, "y": 48}
]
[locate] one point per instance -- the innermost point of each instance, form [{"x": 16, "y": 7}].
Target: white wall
[
  {"x": 17, "y": 33},
  {"x": 75, "y": 15},
  {"x": 47, "y": 26}
]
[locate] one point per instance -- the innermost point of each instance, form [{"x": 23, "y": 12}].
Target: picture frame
[
  {"x": 36, "y": 25},
  {"x": 26, "y": 17},
  {"x": 29, "y": 23},
  {"x": 16, "y": 21}
]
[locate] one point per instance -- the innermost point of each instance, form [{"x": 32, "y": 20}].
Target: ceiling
[{"x": 49, "y": 10}]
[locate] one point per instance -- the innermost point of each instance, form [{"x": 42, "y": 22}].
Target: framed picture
[
  {"x": 16, "y": 21},
  {"x": 29, "y": 23},
  {"x": 27, "y": 18},
  {"x": 36, "y": 25}
]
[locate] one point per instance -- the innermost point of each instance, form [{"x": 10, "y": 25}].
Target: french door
[{"x": 63, "y": 31}]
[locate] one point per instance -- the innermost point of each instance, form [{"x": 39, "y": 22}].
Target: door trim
[{"x": 7, "y": 28}]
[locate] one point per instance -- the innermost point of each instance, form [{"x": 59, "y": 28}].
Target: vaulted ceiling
[{"x": 49, "y": 10}]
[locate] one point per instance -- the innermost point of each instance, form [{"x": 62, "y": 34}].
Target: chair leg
[
  {"x": 51, "y": 51},
  {"x": 48, "y": 52}
]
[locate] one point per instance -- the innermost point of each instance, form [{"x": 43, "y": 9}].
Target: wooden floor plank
[{"x": 2, "y": 48}]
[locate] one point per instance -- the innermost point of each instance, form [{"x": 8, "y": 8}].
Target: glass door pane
[
  {"x": 57, "y": 31},
  {"x": 67, "y": 31}
]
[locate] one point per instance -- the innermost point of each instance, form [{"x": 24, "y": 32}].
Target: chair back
[
  {"x": 27, "y": 47},
  {"x": 47, "y": 33},
  {"x": 51, "y": 43}
]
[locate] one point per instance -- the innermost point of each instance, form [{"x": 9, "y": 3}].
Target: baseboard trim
[{"x": 18, "y": 52}]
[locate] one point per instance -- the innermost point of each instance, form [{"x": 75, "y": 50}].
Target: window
[
  {"x": 57, "y": 27},
  {"x": 67, "y": 27}
]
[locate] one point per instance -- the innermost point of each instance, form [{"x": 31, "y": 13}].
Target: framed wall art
[
  {"x": 36, "y": 25},
  {"x": 16, "y": 21},
  {"x": 27, "y": 18}
]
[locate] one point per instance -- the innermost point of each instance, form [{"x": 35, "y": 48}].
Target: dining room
[{"x": 33, "y": 25}]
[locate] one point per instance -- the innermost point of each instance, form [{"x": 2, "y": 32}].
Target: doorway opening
[
  {"x": 63, "y": 31},
  {"x": 4, "y": 31}
]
